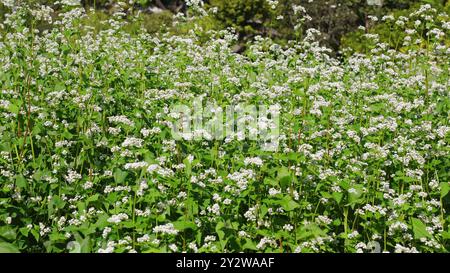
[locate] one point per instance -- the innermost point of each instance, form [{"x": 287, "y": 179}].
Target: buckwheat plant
[{"x": 88, "y": 162}]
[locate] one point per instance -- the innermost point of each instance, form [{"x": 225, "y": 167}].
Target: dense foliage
[
  {"x": 282, "y": 20},
  {"x": 88, "y": 162}
]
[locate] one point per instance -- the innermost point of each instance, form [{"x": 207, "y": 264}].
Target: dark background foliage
[{"x": 338, "y": 20}]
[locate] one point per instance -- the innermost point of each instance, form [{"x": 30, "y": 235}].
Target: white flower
[
  {"x": 272, "y": 3},
  {"x": 153, "y": 167},
  {"x": 273, "y": 191},
  {"x": 70, "y": 2},
  {"x": 115, "y": 219},
  {"x": 190, "y": 158},
  {"x": 250, "y": 214},
  {"x": 253, "y": 161},
  {"x": 266, "y": 241},
  {"x": 323, "y": 219},
  {"x": 106, "y": 231},
  {"x": 215, "y": 209},
  {"x": 88, "y": 185},
  {"x": 72, "y": 176},
  {"x": 353, "y": 234},
  {"x": 193, "y": 246},
  {"x": 144, "y": 238},
  {"x": 288, "y": 227},
  {"x": 121, "y": 119},
  {"x": 135, "y": 165},
  {"x": 173, "y": 247},
  {"x": 242, "y": 234},
  {"x": 165, "y": 229},
  {"x": 132, "y": 142}
]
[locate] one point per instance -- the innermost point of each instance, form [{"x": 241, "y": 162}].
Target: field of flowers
[{"x": 89, "y": 162}]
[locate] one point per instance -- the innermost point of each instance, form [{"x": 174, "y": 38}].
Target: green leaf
[
  {"x": 308, "y": 231},
  {"x": 182, "y": 225},
  {"x": 24, "y": 231},
  {"x": 192, "y": 206},
  {"x": 326, "y": 194},
  {"x": 355, "y": 193},
  {"x": 288, "y": 204},
  {"x": 35, "y": 234},
  {"x": 263, "y": 211},
  {"x": 445, "y": 188},
  {"x": 249, "y": 244},
  {"x": 67, "y": 135},
  {"x": 337, "y": 196},
  {"x": 419, "y": 229},
  {"x": 8, "y": 248},
  {"x": 161, "y": 218},
  {"x": 445, "y": 235},
  {"x": 221, "y": 234},
  {"x": 7, "y": 233},
  {"x": 14, "y": 108},
  {"x": 58, "y": 202},
  {"x": 21, "y": 182},
  {"x": 50, "y": 207},
  {"x": 219, "y": 231},
  {"x": 57, "y": 237},
  {"x": 93, "y": 198},
  {"x": 271, "y": 182},
  {"x": 86, "y": 245},
  {"x": 5, "y": 146},
  {"x": 119, "y": 175},
  {"x": 284, "y": 177},
  {"x": 188, "y": 166}
]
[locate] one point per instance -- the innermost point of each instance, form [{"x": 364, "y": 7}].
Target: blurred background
[{"x": 342, "y": 23}]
